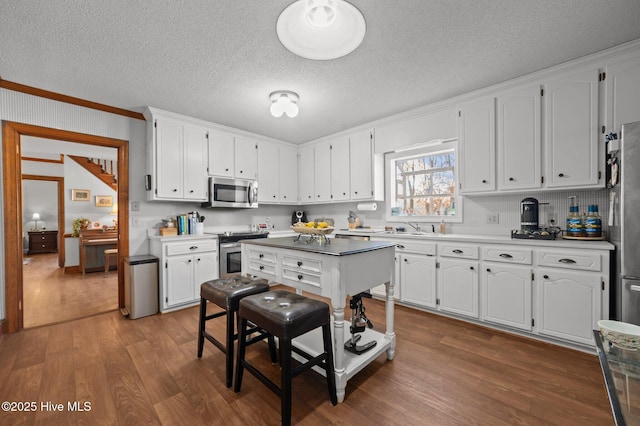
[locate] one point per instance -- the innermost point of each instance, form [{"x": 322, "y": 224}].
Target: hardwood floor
[
  {"x": 51, "y": 296},
  {"x": 445, "y": 372}
]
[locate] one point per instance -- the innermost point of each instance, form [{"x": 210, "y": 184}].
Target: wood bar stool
[
  {"x": 110, "y": 254},
  {"x": 286, "y": 316},
  {"x": 227, "y": 293}
]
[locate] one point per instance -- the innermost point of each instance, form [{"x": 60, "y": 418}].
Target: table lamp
[{"x": 36, "y": 217}]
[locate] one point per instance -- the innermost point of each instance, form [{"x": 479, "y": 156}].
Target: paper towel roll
[{"x": 367, "y": 207}]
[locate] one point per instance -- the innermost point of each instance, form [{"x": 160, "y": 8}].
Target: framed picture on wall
[
  {"x": 104, "y": 201},
  {"x": 80, "y": 195}
]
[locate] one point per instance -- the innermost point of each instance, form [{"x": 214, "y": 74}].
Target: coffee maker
[
  {"x": 298, "y": 216},
  {"x": 529, "y": 215}
]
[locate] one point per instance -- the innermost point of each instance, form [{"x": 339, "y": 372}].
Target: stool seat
[
  {"x": 227, "y": 293},
  {"x": 285, "y": 314}
]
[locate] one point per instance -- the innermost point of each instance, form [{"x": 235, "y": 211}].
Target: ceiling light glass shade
[
  {"x": 284, "y": 102},
  {"x": 320, "y": 13},
  {"x": 300, "y": 28}
]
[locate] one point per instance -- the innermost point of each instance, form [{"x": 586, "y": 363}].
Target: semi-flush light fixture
[
  {"x": 284, "y": 102},
  {"x": 321, "y": 29}
]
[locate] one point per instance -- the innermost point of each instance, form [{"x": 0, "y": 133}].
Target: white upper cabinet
[
  {"x": 571, "y": 121},
  {"x": 322, "y": 172},
  {"x": 367, "y": 168},
  {"x": 477, "y": 136},
  {"x": 268, "y": 175},
  {"x": 340, "y": 185},
  {"x": 306, "y": 174},
  {"x": 519, "y": 143},
  {"x": 288, "y": 175},
  {"x": 221, "y": 153},
  {"x": 246, "y": 152},
  {"x": 232, "y": 155},
  {"x": 277, "y": 173},
  {"x": 623, "y": 94},
  {"x": 178, "y": 152}
]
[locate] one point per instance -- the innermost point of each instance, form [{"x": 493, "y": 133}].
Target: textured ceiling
[{"x": 219, "y": 60}]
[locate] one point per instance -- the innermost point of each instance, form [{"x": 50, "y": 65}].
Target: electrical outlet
[
  {"x": 135, "y": 206},
  {"x": 493, "y": 218},
  {"x": 135, "y": 220}
]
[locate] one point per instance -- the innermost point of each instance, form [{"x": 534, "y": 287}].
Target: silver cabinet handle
[{"x": 566, "y": 261}]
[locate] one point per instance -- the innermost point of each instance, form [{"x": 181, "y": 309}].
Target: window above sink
[{"x": 422, "y": 183}]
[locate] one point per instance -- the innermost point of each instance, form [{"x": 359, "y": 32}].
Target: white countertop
[
  {"x": 470, "y": 238},
  {"x": 191, "y": 237}
]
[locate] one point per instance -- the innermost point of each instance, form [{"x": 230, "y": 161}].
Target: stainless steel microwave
[{"x": 229, "y": 192}]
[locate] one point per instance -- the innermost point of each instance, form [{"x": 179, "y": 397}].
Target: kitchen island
[{"x": 335, "y": 269}]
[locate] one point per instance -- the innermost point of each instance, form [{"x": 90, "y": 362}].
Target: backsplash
[{"x": 476, "y": 209}]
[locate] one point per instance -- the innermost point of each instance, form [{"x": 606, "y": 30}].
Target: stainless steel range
[{"x": 230, "y": 253}]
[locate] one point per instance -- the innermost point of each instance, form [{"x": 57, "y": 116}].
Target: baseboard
[{"x": 72, "y": 269}]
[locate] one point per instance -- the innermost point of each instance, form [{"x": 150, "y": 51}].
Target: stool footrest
[
  {"x": 311, "y": 361},
  {"x": 264, "y": 379}
]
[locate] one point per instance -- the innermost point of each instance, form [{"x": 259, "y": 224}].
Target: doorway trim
[
  {"x": 61, "y": 230},
  {"x": 12, "y": 187}
]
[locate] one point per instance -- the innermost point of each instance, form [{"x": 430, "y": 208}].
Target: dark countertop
[{"x": 336, "y": 247}]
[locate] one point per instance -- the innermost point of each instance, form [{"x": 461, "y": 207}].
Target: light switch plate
[{"x": 493, "y": 218}]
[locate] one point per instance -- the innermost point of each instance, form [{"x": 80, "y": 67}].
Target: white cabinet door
[
  {"x": 180, "y": 272},
  {"x": 458, "y": 287},
  {"x": 571, "y": 106},
  {"x": 418, "y": 279},
  {"x": 519, "y": 143},
  {"x": 569, "y": 304},
  {"x": 340, "y": 188},
  {"x": 477, "y": 136},
  {"x": 361, "y": 165},
  {"x": 169, "y": 144},
  {"x": 623, "y": 94},
  {"x": 246, "y": 162},
  {"x": 506, "y": 295},
  {"x": 288, "y": 172},
  {"x": 195, "y": 168},
  {"x": 322, "y": 172},
  {"x": 268, "y": 172},
  {"x": 206, "y": 269},
  {"x": 307, "y": 175},
  {"x": 221, "y": 153}
]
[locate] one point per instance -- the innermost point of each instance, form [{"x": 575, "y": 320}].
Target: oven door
[
  {"x": 238, "y": 193},
  {"x": 230, "y": 259}
]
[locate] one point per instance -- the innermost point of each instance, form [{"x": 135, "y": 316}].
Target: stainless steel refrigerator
[{"x": 625, "y": 232}]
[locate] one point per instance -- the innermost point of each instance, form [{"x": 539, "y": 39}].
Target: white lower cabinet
[
  {"x": 506, "y": 295},
  {"x": 185, "y": 266},
  {"x": 418, "y": 275},
  {"x": 458, "y": 287},
  {"x": 569, "y": 304}
]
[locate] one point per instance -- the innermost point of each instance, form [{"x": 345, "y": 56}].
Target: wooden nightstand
[{"x": 43, "y": 242}]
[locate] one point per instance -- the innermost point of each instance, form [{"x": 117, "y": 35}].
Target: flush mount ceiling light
[
  {"x": 284, "y": 102},
  {"x": 321, "y": 29}
]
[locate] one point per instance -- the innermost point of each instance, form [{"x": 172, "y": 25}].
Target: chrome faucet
[{"x": 416, "y": 226}]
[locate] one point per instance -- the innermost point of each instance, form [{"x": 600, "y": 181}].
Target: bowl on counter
[{"x": 621, "y": 334}]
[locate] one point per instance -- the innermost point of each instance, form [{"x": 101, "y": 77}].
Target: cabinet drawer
[
  {"x": 262, "y": 256},
  {"x": 173, "y": 249},
  {"x": 301, "y": 264},
  {"x": 404, "y": 246},
  {"x": 261, "y": 267},
  {"x": 303, "y": 277},
  {"x": 580, "y": 260},
  {"x": 462, "y": 251},
  {"x": 507, "y": 255}
]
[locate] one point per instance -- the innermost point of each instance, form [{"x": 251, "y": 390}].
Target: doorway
[{"x": 12, "y": 170}]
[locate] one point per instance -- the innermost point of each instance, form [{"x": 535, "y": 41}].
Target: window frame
[{"x": 429, "y": 148}]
